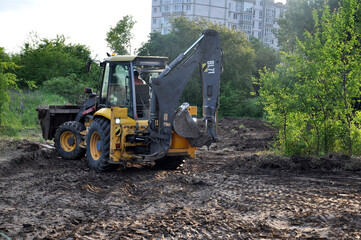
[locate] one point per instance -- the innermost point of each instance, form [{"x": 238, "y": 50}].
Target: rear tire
[
  {"x": 67, "y": 140},
  {"x": 169, "y": 163},
  {"x": 98, "y": 145}
]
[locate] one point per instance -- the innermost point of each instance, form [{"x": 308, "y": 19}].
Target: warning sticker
[
  {"x": 209, "y": 67},
  {"x": 117, "y": 131}
]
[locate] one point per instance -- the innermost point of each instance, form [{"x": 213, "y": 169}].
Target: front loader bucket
[
  {"x": 185, "y": 126},
  {"x": 51, "y": 117}
]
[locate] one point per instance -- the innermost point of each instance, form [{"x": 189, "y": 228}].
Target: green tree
[
  {"x": 311, "y": 96},
  {"x": 298, "y": 19},
  {"x": 162, "y": 45},
  {"x": 42, "y": 59},
  {"x": 118, "y": 37},
  {"x": 8, "y": 80},
  {"x": 265, "y": 56}
]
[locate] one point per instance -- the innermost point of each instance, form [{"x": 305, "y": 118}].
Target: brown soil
[{"x": 234, "y": 190}]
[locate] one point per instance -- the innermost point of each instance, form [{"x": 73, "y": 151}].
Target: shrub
[{"x": 71, "y": 88}]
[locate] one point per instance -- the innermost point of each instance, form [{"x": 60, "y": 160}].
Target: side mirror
[{"x": 88, "y": 90}]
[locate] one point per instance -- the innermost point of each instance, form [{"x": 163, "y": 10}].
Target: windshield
[{"x": 116, "y": 85}]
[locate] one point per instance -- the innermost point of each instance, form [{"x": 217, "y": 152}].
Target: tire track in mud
[{"x": 219, "y": 195}]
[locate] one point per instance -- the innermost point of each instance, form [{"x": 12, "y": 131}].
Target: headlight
[
  {"x": 117, "y": 121},
  {"x": 195, "y": 119}
]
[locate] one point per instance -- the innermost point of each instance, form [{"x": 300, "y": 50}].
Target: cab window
[
  {"x": 104, "y": 93},
  {"x": 116, "y": 85}
]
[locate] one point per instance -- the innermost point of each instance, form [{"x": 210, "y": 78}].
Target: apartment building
[{"x": 256, "y": 18}]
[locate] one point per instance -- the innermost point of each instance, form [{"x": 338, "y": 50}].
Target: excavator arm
[{"x": 168, "y": 87}]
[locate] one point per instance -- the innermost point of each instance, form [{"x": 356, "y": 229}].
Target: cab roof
[{"x": 139, "y": 60}]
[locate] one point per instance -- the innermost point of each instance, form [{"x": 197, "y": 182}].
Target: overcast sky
[{"x": 81, "y": 21}]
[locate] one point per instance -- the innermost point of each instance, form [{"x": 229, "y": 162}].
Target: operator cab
[{"x": 118, "y": 88}]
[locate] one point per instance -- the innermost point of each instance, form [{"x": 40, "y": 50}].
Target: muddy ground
[{"x": 236, "y": 190}]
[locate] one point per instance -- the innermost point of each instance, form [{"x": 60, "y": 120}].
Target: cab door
[{"x": 117, "y": 89}]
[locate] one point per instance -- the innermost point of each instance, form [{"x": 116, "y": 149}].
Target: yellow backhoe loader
[{"x": 130, "y": 122}]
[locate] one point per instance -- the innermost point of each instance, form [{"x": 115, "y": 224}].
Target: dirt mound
[
  {"x": 266, "y": 162},
  {"x": 244, "y": 134},
  {"x": 18, "y": 155}
]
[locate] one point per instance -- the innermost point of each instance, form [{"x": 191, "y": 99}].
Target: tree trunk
[
  {"x": 325, "y": 129},
  {"x": 285, "y": 127},
  {"x": 0, "y": 112},
  {"x": 349, "y": 136}
]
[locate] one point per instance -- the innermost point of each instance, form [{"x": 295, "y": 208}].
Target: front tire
[
  {"x": 67, "y": 140},
  {"x": 98, "y": 145}
]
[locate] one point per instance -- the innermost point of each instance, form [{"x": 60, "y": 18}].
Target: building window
[
  {"x": 155, "y": 10},
  {"x": 260, "y": 14},
  {"x": 165, "y": 1},
  {"x": 247, "y": 7},
  {"x": 165, "y": 30},
  {"x": 188, "y": 7},
  {"x": 154, "y": 21},
  {"x": 259, "y": 35},
  {"x": 177, "y": 1},
  {"x": 270, "y": 20},
  {"x": 270, "y": 12},
  {"x": 260, "y": 25},
  {"x": 246, "y": 17},
  {"x": 282, "y": 13},
  {"x": 178, "y": 7},
  {"x": 268, "y": 41},
  {"x": 235, "y": 16},
  {"x": 165, "y": 20},
  {"x": 247, "y": 28},
  {"x": 189, "y": 1},
  {"x": 268, "y": 32},
  {"x": 166, "y": 8}
]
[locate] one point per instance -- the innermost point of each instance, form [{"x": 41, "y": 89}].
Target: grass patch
[
  {"x": 19, "y": 117},
  {"x": 31, "y": 100}
]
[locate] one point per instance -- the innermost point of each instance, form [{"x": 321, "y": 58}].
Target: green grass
[{"x": 20, "y": 118}]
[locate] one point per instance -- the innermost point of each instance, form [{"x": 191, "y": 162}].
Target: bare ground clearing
[{"x": 232, "y": 191}]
